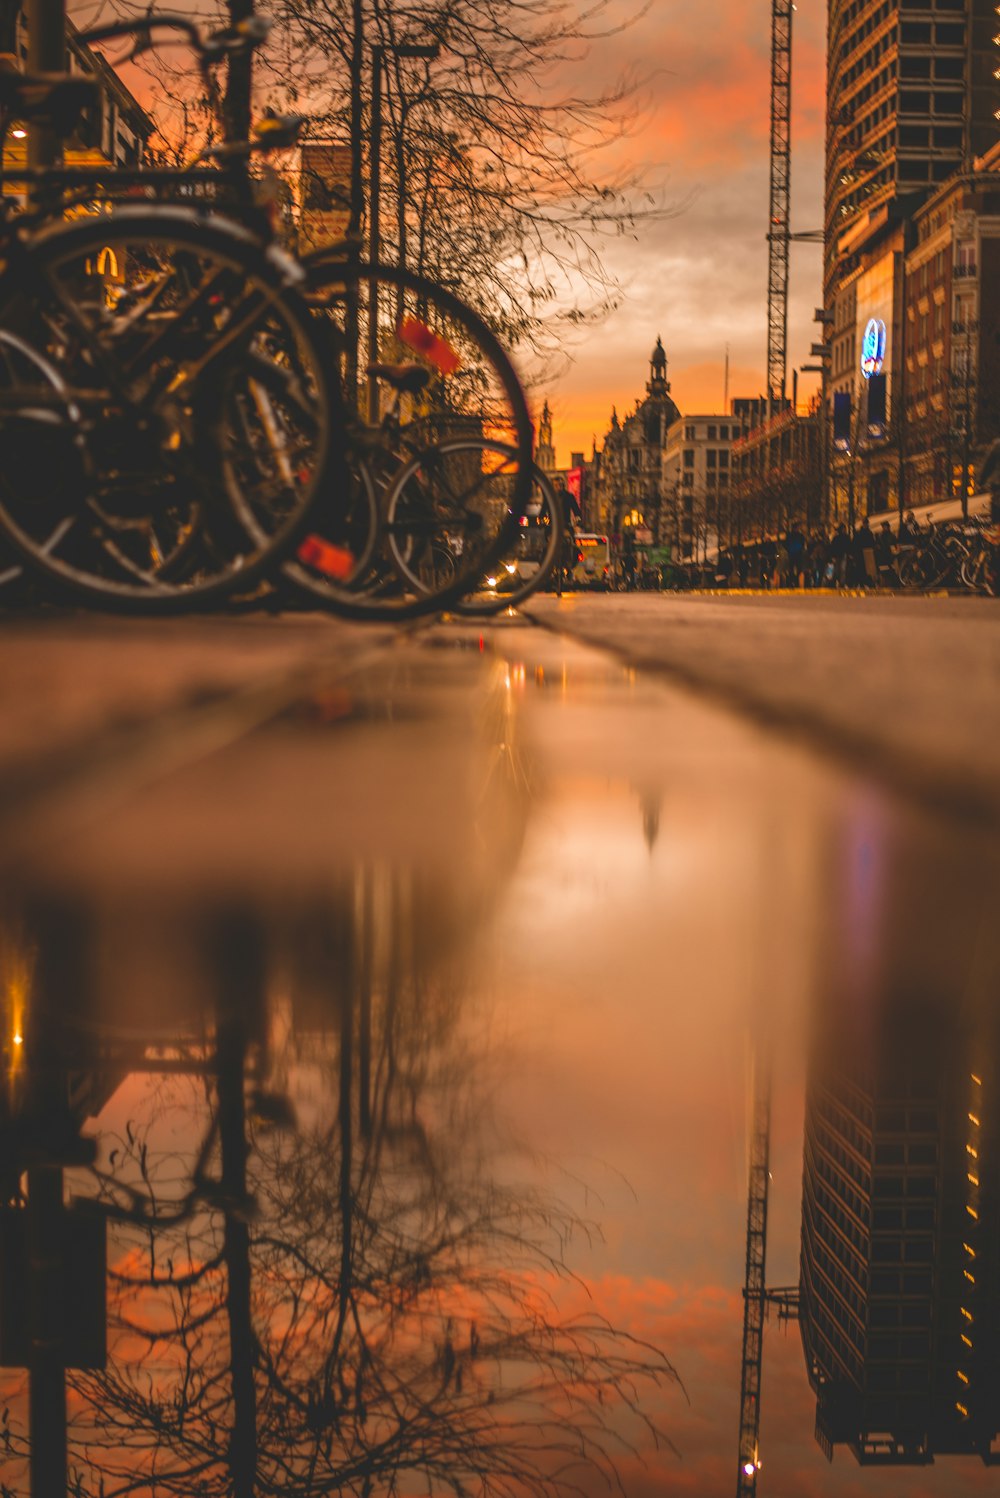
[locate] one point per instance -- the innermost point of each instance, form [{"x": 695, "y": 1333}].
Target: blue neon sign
[{"x": 873, "y": 348}]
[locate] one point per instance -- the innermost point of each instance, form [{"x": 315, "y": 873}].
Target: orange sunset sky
[{"x": 698, "y": 278}]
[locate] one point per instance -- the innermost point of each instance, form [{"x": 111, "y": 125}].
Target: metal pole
[
  {"x": 401, "y": 201},
  {"x": 47, "y": 1381},
  {"x": 374, "y": 234},
  {"x": 899, "y": 398},
  {"x": 967, "y": 419},
  {"x": 46, "y": 22},
  {"x": 238, "y": 79},
  {"x": 231, "y": 1054},
  {"x": 238, "y": 961},
  {"x": 352, "y": 330}
]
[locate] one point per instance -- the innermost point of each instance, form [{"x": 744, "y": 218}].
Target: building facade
[
  {"x": 952, "y": 335},
  {"x": 912, "y": 108},
  {"x": 629, "y": 478},
  {"x": 911, "y": 95},
  {"x": 116, "y": 129},
  {"x": 697, "y": 484},
  {"x": 776, "y": 473}
]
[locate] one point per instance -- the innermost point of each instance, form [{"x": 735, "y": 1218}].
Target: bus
[{"x": 592, "y": 568}]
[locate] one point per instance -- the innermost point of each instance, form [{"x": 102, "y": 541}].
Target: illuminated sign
[{"x": 873, "y": 347}]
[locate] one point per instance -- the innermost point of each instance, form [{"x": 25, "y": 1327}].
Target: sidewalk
[
  {"x": 68, "y": 679},
  {"x": 905, "y": 688}
]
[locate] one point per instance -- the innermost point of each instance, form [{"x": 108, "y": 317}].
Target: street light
[{"x": 428, "y": 51}]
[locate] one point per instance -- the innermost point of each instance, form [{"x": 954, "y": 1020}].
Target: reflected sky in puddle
[{"x": 480, "y": 951}]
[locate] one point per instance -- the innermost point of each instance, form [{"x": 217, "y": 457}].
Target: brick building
[{"x": 952, "y": 348}]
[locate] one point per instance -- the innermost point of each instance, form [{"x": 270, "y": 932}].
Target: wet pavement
[
  {"x": 904, "y": 687},
  {"x": 415, "y": 993}
]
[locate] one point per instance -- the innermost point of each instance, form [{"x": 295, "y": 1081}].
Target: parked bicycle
[{"x": 192, "y": 383}]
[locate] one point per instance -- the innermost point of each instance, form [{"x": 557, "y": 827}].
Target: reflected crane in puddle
[{"x": 757, "y": 1298}]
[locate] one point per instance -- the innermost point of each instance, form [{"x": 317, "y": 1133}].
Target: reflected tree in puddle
[{"x": 356, "y": 1303}]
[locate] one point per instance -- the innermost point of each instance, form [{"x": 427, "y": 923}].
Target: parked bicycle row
[
  {"x": 953, "y": 556},
  {"x": 191, "y": 415}
]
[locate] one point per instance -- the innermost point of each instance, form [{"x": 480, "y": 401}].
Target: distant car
[{"x": 592, "y": 568}]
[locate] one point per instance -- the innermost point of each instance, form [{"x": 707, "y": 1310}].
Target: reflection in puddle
[
  {"x": 375, "y": 1106},
  {"x": 900, "y": 1229},
  {"x": 289, "y": 1265}
]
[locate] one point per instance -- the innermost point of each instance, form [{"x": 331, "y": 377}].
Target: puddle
[{"x": 401, "y": 1084}]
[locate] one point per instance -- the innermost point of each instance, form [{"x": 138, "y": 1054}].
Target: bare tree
[{"x": 501, "y": 177}]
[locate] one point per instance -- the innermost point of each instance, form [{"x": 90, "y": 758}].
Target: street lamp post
[{"x": 380, "y": 51}]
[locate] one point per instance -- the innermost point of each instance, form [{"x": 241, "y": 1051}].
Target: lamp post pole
[
  {"x": 428, "y": 50},
  {"x": 374, "y": 224}
]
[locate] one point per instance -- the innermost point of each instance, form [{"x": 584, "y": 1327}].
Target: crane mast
[
  {"x": 779, "y": 224},
  {"x": 754, "y": 1291}
]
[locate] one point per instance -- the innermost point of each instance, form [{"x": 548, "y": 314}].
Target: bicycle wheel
[
  {"x": 41, "y": 427},
  {"x": 982, "y": 572},
  {"x": 210, "y": 409},
  {"x": 443, "y": 375},
  {"x": 441, "y": 491},
  {"x": 914, "y": 570}
]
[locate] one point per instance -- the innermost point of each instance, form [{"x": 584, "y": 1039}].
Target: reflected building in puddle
[{"x": 900, "y": 1268}]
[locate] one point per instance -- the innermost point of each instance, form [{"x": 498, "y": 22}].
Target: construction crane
[
  {"x": 757, "y": 1298},
  {"x": 754, "y": 1287},
  {"x": 780, "y": 196},
  {"x": 779, "y": 235}
]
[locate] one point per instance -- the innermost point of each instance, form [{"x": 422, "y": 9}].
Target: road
[{"x": 585, "y": 884}]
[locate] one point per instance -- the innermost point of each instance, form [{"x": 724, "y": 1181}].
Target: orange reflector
[
  {"x": 436, "y": 350},
  {"x": 334, "y": 561}
]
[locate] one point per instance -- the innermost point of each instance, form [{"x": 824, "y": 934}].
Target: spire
[
  {"x": 545, "y": 453},
  {"x": 658, "y": 384}
]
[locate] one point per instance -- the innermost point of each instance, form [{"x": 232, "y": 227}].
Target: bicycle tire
[
  {"x": 480, "y": 603},
  {"x": 483, "y": 387},
  {"x": 913, "y": 571},
  {"x": 53, "y": 417},
  {"x": 242, "y": 536}
]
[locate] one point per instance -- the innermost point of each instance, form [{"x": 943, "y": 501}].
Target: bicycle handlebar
[{"x": 244, "y": 36}]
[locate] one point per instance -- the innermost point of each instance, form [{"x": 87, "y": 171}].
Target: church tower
[
  {"x": 545, "y": 453},
  {"x": 658, "y": 385}
]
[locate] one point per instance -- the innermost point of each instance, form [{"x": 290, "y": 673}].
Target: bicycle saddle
[
  {"x": 56, "y": 99},
  {"x": 408, "y": 379}
]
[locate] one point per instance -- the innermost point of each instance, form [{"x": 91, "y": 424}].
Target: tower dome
[{"x": 658, "y": 384}]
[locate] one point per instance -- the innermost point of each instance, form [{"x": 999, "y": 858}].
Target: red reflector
[
  {"x": 436, "y": 350},
  {"x": 334, "y": 561}
]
